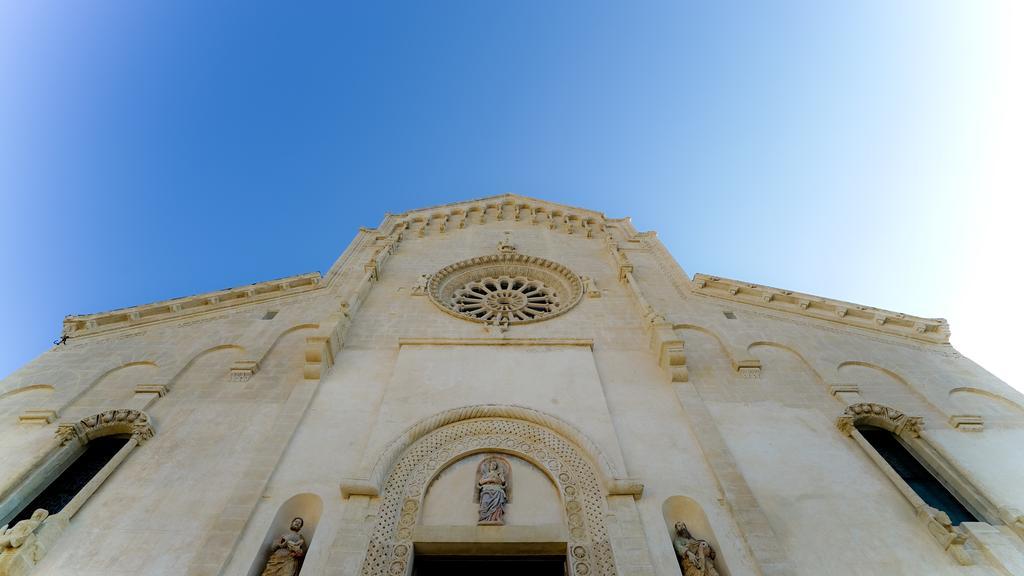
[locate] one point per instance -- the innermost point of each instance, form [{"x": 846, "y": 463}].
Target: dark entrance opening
[{"x": 489, "y": 565}]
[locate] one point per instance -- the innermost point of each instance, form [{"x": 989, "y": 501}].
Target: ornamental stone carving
[
  {"x": 696, "y": 556},
  {"x": 390, "y": 547},
  {"x": 286, "y": 552},
  {"x": 23, "y": 531},
  {"x": 880, "y": 416},
  {"x": 493, "y": 490},
  {"x": 505, "y": 288},
  {"x": 121, "y": 421}
]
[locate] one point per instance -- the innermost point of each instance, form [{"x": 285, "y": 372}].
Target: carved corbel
[
  {"x": 846, "y": 425},
  {"x": 669, "y": 348},
  {"x": 626, "y": 487},
  {"x": 967, "y": 422},
  {"x": 318, "y": 357},
  {"x": 371, "y": 267},
  {"x": 159, "y": 389},
  {"x": 358, "y": 487},
  {"x": 243, "y": 370},
  {"x": 749, "y": 368},
  {"x": 67, "y": 432},
  {"x": 39, "y": 416}
]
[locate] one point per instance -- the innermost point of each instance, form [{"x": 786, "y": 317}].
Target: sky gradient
[{"x": 869, "y": 151}]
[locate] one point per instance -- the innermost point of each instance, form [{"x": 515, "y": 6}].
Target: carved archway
[{"x": 583, "y": 497}]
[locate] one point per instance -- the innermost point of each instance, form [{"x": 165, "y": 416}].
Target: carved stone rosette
[
  {"x": 506, "y": 288},
  {"x": 390, "y": 547},
  {"x": 121, "y": 421}
]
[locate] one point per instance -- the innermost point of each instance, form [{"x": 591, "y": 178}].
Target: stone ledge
[
  {"x": 89, "y": 324},
  {"x": 935, "y": 330},
  {"x": 585, "y": 342}
]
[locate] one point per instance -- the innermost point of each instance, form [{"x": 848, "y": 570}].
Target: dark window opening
[
  {"x": 54, "y": 497},
  {"x": 915, "y": 474},
  {"x": 729, "y": 315},
  {"x": 269, "y": 315},
  {"x": 489, "y": 565}
]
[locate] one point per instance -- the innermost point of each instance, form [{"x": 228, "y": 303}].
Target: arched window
[
  {"x": 941, "y": 498},
  {"x": 915, "y": 474},
  {"x": 55, "y": 496},
  {"x": 84, "y": 455}
]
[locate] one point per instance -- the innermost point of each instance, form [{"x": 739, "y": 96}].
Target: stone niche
[
  {"x": 534, "y": 500},
  {"x": 687, "y": 510},
  {"x": 306, "y": 506}
]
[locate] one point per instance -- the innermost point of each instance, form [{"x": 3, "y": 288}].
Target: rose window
[
  {"x": 503, "y": 289},
  {"x": 505, "y": 299}
]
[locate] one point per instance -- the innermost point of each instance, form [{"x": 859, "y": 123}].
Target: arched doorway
[{"x": 584, "y": 548}]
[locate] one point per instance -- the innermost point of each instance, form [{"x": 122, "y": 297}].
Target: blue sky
[{"x": 869, "y": 151}]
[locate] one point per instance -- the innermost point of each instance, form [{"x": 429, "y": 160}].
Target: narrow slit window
[
  {"x": 730, "y": 315},
  {"x": 915, "y": 474},
  {"x": 269, "y": 315}
]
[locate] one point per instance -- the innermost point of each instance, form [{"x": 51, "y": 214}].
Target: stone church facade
[{"x": 508, "y": 384}]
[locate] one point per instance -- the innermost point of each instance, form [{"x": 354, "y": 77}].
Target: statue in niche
[
  {"x": 23, "y": 531},
  {"x": 696, "y": 556},
  {"x": 286, "y": 553},
  {"x": 493, "y": 490}
]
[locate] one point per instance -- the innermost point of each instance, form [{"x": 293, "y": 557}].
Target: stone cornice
[
  {"x": 90, "y": 324},
  {"x": 935, "y": 330},
  {"x": 502, "y": 208},
  {"x": 584, "y": 342},
  {"x": 500, "y": 199}
]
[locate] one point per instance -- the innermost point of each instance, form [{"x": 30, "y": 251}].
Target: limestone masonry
[{"x": 508, "y": 384}]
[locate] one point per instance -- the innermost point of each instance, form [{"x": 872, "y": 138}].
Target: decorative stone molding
[
  {"x": 243, "y": 370},
  {"x": 505, "y": 288},
  {"x": 89, "y": 324},
  {"x": 621, "y": 260},
  {"x": 122, "y": 421},
  {"x": 669, "y": 348},
  {"x": 967, "y": 423},
  {"x": 935, "y": 330},
  {"x": 837, "y": 389},
  {"x": 158, "y": 389},
  {"x": 374, "y": 477},
  {"x": 37, "y": 416},
  {"x": 749, "y": 368},
  {"x": 880, "y": 416},
  {"x": 567, "y": 219},
  {"x": 390, "y": 547}
]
